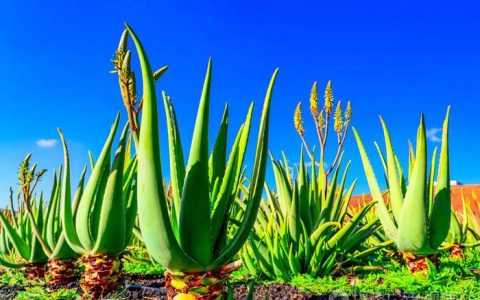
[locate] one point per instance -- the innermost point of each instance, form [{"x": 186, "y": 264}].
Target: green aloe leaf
[
  {"x": 382, "y": 211},
  {"x": 217, "y": 160},
  {"x": 394, "y": 184},
  {"x": 440, "y": 218},
  {"x": 67, "y": 215},
  {"x": 257, "y": 183},
  {"x": 111, "y": 237},
  {"x": 153, "y": 215},
  {"x": 8, "y": 264},
  {"x": 62, "y": 249},
  {"x": 18, "y": 243},
  {"x": 83, "y": 217},
  {"x": 195, "y": 224},
  {"x": 412, "y": 225},
  {"x": 177, "y": 163}
]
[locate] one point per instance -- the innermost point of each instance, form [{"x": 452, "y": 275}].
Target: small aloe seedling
[{"x": 102, "y": 226}]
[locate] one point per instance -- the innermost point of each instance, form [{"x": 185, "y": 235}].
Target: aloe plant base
[
  {"x": 101, "y": 276},
  {"x": 34, "y": 271},
  {"x": 456, "y": 252},
  {"x": 419, "y": 264},
  {"x": 60, "y": 272},
  {"x": 203, "y": 286}
]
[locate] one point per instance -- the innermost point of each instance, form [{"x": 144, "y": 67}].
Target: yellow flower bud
[
  {"x": 328, "y": 98},
  {"x": 338, "y": 125},
  {"x": 348, "y": 112},
  {"x": 314, "y": 100},
  {"x": 122, "y": 44},
  {"x": 321, "y": 120},
  {"x": 297, "y": 119}
]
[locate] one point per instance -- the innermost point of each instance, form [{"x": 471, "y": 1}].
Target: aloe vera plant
[
  {"x": 421, "y": 210},
  {"x": 472, "y": 205},
  {"x": 301, "y": 232},
  {"x": 61, "y": 257},
  {"x": 189, "y": 235},
  {"x": 304, "y": 226},
  {"x": 102, "y": 226},
  {"x": 462, "y": 232},
  {"x": 23, "y": 249}
]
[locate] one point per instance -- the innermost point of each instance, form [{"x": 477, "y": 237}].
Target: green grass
[
  {"x": 137, "y": 261},
  {"x": 14, "y": 277},
  {"x": 39, "y": 293},
  {"x": 454, "y": 279}
]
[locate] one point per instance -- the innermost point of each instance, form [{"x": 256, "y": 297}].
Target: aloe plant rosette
[
  {"x": 24, "y": 249},
  {"x": 299, "y": 231},
  {"x": 421, "y": 211},
  {"x": 102, "y": 226},
  {"x": 304, "y": 226},
  {"x": 189, "y": 235},
  {"x": 461, "y": 234},
  {"x": 61, "y": 258}
]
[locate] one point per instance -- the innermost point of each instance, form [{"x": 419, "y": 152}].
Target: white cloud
[
  {"x": 46, "y": 143},
  {"x": 432, "y": 135}
]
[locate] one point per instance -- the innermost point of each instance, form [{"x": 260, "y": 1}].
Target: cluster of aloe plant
[
  {"x": 94, "y": 229},
  {"x": 304, "y": 227},
  {"x": 211, "y": 212}
]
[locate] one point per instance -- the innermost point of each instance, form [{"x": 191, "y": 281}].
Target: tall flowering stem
[
  {"x": 322, "y": 120},
  {"x": 128, "y": 85},
  {"x": 298, "y": 122}
]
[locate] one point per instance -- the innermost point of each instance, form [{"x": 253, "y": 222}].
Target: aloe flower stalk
[
  {"x": 421, "y": 211},
  {"x": 298, "y": 121},
  {"x": 102, "y": 226},
  {"x": 122, "y": 63},
  {"x": 322, "y": 127},
  {"x": 314, "y": 101},
  {"x": 189, "y": 235},
  {"x": 304, "y": 226}
]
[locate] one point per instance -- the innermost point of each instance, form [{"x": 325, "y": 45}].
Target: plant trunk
[
  {"x": 418, "y": 264},
  {"x": 456, "y": 252},
  {"x": 101, "y": 276},
  {"x": 60, "y": 271},
  {"x": 200, "y": 286},
  {"x": 34, "y": 271}
]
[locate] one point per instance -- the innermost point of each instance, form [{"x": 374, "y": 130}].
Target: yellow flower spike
[
  {"x": 348, "y": 112},
  {"x": 314, "y": 100},
  {"x": 122, "y": 45},
  {"x": 321, "y": 120},
  {"x": 328, "y": 98},
  {"x": 338, "y": 125},
  {"x": 297, "y": 119}
]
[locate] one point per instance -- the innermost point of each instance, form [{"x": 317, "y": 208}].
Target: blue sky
[{"x": 389, "y": 58}]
